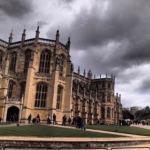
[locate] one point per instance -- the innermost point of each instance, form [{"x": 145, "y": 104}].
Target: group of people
[
  {"x": 51, "y": 120},
  {"x": 64, "y": 120},
  {"x": 77, "y": 121},
  {"x": 35, "y": 120}
]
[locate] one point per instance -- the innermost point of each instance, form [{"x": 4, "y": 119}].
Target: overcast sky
[{"x": 107, "y": 36}]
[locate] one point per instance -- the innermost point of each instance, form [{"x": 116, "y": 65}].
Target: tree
[{"x": 127, "y": 114}]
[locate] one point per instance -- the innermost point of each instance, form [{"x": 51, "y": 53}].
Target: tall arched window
[
  {"x": 27, "y": 60},
  {"x": 22, "y": 88},
  {"x": 103, "y": 97},
  {"x": 45, "y": 59},
  {"x": 108, "y": 112},
  {"x": 109, "y": 85},
  {"x": 108, "y": 97},
  {"x": 112, "y": 112},
  {"x": 102, "y": 112},
  {"x": 13, "y": 61},
  {"x": 10, "y": 88},
  {"x": 41, "y": 95},
  {"x": 61, "y": 65},
  {"x": 1, "y": 59},
  {"x": 59, "y": 97}
]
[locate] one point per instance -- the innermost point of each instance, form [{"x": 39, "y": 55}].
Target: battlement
[{"x": 3, "y": 43}]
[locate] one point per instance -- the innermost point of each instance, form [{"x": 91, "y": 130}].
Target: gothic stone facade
[{"x": 37, "y": 77}]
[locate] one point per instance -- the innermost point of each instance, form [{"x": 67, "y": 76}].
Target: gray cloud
[
  {"x": 124, "y": 22},
  {"x": 15, "y": 8},
  {"x": 144, "y": 87}
]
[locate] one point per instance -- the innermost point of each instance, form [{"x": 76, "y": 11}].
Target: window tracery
[
  {"x": 22, "y": 89},
  {"x": 59, "y": 97},
  {"x": 108, "y": 112},
  {"x": 10, "y": 88},
  {"x": 13, "y": 61},
  {"x": 41, "y": 95},
  {"x": 27, "y": 60},
  {"x": 45, "y": 59}
]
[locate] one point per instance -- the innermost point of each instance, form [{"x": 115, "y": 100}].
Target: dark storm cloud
[
  {"x": 125, "y": 22},
  {"x": 93, "y": 28},
  {"x": 15, "y": 8}
]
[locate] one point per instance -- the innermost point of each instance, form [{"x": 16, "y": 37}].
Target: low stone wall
[{"x": 56, "y": 145}]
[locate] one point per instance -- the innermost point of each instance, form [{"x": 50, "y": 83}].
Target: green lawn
[
  {"x": 121, "y": 129},
  {"x": 48, "y": 131}
]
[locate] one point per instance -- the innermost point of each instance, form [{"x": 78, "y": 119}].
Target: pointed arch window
[
  {"x": 112, "y": 112},
  {"x": 1, "y": 59},
  {"x": 13, "y": 62},
  {"x": 45, "y": 59},
  {"x": 108, "y": 112},
  {"x": 22, "y": 89},
  {"x": 103, "y": 85},
  {"x": 61, "y": 65},
  {"x": 59, "y": 97},
  {"x": 27, "y": 60},
  {"x": 102, "y": 113},
  {"x": 109, "y": 85},
  {"x": 103, "y": 97},
  {"x": 108, "y": 97},
  {"x": 41, "y": 95},
  {"x": 10, "y": 88}
]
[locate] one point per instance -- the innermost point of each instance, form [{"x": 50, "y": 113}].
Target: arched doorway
[{"x": 12, "y": 114}]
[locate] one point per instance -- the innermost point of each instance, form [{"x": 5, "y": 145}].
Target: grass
[
  {"x": 121, "y": 129},
  {"x": 48, "y": 131}
]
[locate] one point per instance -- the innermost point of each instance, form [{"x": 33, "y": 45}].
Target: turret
[
  {"x": 84, "y": 73},
  {"x": 89, "y": 74},
  {"x": 79, "y": 70}
]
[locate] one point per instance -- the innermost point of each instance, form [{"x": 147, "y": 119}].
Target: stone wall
[{"x": 20, "y": 144}]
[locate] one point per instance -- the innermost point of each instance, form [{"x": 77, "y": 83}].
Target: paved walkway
[{"x": 141, "y": 126}]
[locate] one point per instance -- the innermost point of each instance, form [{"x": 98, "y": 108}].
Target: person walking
[
  {"x": 54, "y": 118},
  {"x": 29, "y": 119},
  {"x": 64, "y": 119}
]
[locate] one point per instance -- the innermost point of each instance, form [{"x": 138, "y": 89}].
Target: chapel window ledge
[
  {"x": 43, "y": 74},
  {"x": 14, "y": 99},
  {"x": 39, "y": 108}
]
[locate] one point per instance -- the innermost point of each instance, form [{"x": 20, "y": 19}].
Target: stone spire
[
  {"x": 10, "y": 37},
  {"x": 57, "y": 36},
  {"x": 68, "y": 44},
  {"x": 23, "y": 35},
  {"x": 78, "y": 70},
  {"x": 37, "y": 33}
]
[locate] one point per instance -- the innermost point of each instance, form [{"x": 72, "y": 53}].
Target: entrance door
[{"x": 12, "y": 114}]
